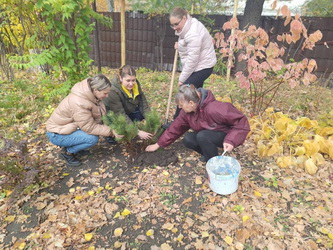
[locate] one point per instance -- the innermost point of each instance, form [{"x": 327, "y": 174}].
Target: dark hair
[
  {"x": 99, "y": 82},
  {"x": 178, "y": 12},
  {"x": 187, "y": 93},
  {"x": 126, "y": 70}
]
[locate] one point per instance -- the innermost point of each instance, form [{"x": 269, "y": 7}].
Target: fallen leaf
[
  {"x": 187, "y": 200},
  {"x": 88, "y": 236},
  {"x": 198, "y": 180},
  {"x": 245, "y": 218},
  {"x": 166, "y": 246},
  {"x": 257, "y": 193},
  {"x": 150, "y": 232},
  {"x": 118, "y": 232},
  {"x": 10, "y": 218},
  {"x": 168, "y": 226},
  {"x": 118, "y": 244},
  {"x": 205, "y": 234},
  {"x": 125, "y": 212},
  {"x": 228, "y": 240}
]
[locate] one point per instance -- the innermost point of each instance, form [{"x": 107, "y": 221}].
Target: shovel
[{"x": 165, "y": 125}]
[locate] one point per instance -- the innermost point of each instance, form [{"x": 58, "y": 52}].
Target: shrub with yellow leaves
[{"x": 302, "y": 142}]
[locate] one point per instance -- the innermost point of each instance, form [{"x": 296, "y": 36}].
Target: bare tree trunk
[
  {"x": 252, "y": 16},
  {"x": 252, "y": 13}
]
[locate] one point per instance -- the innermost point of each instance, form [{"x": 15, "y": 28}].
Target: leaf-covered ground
[{"x": 111, "y": 202}]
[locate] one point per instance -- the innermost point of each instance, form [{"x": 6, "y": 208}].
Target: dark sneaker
[
  {"x": 83, "y": 153},
  {"x": 111, "y": 140},
  {"x": 70, "y": 159}
]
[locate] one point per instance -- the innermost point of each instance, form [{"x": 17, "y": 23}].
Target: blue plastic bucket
[{"x": 223, "y": 173}]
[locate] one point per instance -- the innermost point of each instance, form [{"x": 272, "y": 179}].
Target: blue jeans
[{"x": 74, "y": 142}]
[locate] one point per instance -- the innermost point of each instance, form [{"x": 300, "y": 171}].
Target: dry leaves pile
[{"x": 113, "y": 205}]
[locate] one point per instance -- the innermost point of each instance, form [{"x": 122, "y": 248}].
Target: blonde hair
[
  {"x": 187, "y": 93},
  {"x": 99, "y": 82},
  {"x": 178, "y": 12}
]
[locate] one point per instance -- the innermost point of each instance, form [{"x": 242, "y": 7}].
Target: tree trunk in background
[
  {"x": 252, "y": 16},
  {"x": 252, "y": 13}
]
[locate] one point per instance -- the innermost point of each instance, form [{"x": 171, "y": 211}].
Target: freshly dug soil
[{"x": 161, "y": 158}]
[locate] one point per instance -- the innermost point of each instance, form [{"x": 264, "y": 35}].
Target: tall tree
[{"x": 252, "y": 13}]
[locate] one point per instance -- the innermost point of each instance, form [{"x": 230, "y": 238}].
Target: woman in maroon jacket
[{"x": 215, "y": 124}]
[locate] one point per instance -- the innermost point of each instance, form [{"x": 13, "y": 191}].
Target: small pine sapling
[
  {"x": 121, "y": 126},
  {"x": 152, "y": 124}
]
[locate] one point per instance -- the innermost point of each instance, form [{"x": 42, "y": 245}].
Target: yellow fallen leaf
[
  {"x": 166, "y": 173},
  {"x": 116, "y": 215},
  {"x": 125, "y": 212},
  {"x": 65, "y": 174},
  {"x": 91, "y": 193},
  {"x": 257, "y": 193},
  {"x": 88, "y": 236},
  {"x": 72, "y": 190},
  {"x": 78, "y": 197},
  {"x": 10, "y": 218},
  {"x": 174, "y": 230},
  {"x": 245, "y": 218},
  {"x": 99, "y": 189},
  {"x": 180, "y": 237},
  {"x": 310, "y": 167},
  {"x": 91, "y": 248},
  {"x": 95, "y": 173},
  {"x": 205, "y": 234},
  {"x": 144, "y": 170},
  {"x": 118, "y": 232},
  {"x": 22, "y": 246},
  {"x": 118, "y": 244},
  {"x": 150, "y": 232},
  {"x": 228, "y": 240},
  {"x": 8, "y": 192},
  {"x": 198, "y": 180},
  {"x": 330, "y": 235},
  {"x": 107, "y": 187},
  {"x": 47, "y": 236}
]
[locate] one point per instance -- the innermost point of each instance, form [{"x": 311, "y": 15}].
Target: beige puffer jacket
[
  {"x": 196, "y": 48},
  {"x": 79, "y": 110}
]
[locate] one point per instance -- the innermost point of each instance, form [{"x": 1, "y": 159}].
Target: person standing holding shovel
[
  {"x": 215, "y": 124},
  {"x": 196, "y": 49}
]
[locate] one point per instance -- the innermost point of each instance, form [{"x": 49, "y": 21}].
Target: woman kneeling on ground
[
  {"x": 215, "y": 124},
  {"x": 77, "y": 122},
  {"x": 126, "y": 97}
]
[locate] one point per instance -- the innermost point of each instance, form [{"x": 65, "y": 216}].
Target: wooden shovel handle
[{"x": 171, "y": 84}]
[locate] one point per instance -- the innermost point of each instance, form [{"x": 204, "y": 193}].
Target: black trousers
[
  {"x": 205, "y": 142},
  {"x": 197, "y": 79}
]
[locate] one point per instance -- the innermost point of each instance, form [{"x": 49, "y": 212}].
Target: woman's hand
[
  {"x": 152, "y": 148},
  {"x": 176, "y": 45},
  {"x": 144, "y": 135},
  {"x": 227, "y": 147},
  {"x": 116, "y": 135}
]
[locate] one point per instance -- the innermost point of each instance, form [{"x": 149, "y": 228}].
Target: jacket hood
[
  {"x": 83, "y": 90},
  {"x": 206, "y": 97}
]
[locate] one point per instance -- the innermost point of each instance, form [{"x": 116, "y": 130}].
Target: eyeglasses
[{"x": 176, "y": 24}]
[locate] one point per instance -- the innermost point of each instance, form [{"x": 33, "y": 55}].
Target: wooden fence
[{"x": 150, "y": 40}]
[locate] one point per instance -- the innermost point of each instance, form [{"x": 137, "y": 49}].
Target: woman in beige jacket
[{"x": 77, "y": 122}]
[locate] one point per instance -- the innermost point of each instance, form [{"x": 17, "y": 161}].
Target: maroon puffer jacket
[{"x": 210, "y": 115}]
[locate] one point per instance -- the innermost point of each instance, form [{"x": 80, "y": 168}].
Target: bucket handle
[{"x": 224, "y": 152}]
